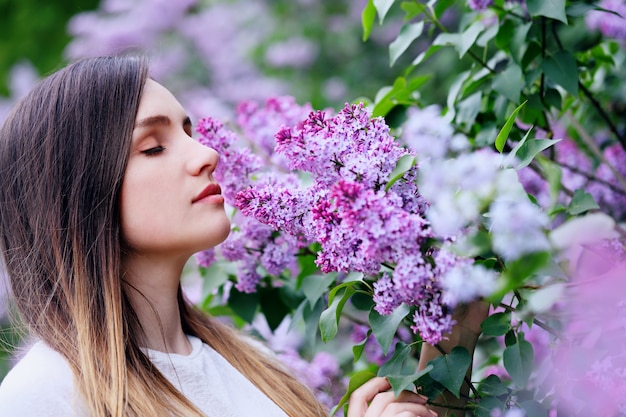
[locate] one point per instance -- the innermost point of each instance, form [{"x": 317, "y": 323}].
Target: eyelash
[{"x": 153, "y": 151}]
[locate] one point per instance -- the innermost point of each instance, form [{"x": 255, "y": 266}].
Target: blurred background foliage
[{"x": 34, "y": 30}]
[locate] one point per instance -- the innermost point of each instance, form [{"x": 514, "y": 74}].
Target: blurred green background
[{"x": 35, "y": 30}]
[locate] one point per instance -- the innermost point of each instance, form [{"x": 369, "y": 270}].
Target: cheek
[{"x": 144, "y": 208}]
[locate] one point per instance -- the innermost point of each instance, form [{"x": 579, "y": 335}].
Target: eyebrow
[{"x": 159, "y": 120}]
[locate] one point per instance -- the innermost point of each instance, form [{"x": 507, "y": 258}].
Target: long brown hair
[{"x": 63, "y": 154}]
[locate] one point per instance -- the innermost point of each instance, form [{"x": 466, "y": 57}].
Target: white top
[{"x": 41, "y": 384}]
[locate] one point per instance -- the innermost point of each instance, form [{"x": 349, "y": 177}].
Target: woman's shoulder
[{"x": 41, "y": 383}]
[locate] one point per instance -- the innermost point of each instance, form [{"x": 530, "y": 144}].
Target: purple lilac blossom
[
  {"x": 573, "y": 160},
  {"x": 206, "y": 257},
  {"x": 367, "y": 228},
  {"x": 322, "y": 374},
  {"x": 349, "y": 146},
  {"x": 259, "y": 124},
  {"x": 610, "y": 200},
  {"x": 358, "y": 224},
  {"x": 295, "y": 52},
  {"x": 236, "y": 163},
  {"x": 610, "y": 24},
  {"x": 433, "y": 319},
  {"x": 479, "y": 4},
  {"x": 591, "y": 358},
  {"x": 254, "y": 244}
]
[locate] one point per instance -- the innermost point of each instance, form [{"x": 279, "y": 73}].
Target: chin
[{"x": 218, "y": 234}]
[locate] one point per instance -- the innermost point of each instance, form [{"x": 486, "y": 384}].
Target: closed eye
[{"x": 153, "y": 151}]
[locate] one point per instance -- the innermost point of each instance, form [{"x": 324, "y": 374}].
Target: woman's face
[{"x": 170, "y": 202}]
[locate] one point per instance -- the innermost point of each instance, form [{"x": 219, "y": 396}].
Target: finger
[
  {"x": 411, "y": 397},
  {"x": 382, "y": 400},
  {"x": 362, "y": 396},
  {"x": 401, "y": 409}
]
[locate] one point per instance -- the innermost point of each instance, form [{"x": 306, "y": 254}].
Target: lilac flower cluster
[
  {"x": 347, "y": 210},
  {"x": 251, "y": 244},
  {"x": 259, "y": 124},
  {"x": 322, "y": 374},
  {"x": 612, "y": 25}
]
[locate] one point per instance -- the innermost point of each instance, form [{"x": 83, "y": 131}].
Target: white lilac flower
[
  {"x": 458, "y": 189},
  {"x": 465, "y": 283},
  {"x": 517, "y": 227},
  {"x": 430, "y": 135}
]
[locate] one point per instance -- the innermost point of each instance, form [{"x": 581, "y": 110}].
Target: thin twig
[
  {"x": 592, "y": 177},
  {"x": 596, "y": 151},
  {"x": 536, "y": 321},
  {"x": 603, "y": 114}
]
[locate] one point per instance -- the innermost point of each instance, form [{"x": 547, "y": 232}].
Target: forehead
[{"x": 158, "y": 100}]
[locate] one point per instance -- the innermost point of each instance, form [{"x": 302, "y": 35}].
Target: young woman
[{"x": 104, "y": 196}]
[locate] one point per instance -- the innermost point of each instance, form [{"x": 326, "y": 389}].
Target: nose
[{"x": 202, "y": 159}]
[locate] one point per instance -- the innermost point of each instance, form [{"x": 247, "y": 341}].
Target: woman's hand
[{"x": 373, "y": 399}]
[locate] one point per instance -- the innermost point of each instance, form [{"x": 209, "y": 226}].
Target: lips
[{"x": 210, "y": 190}]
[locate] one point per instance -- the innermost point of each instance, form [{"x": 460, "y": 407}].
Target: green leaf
[
  {"x": 313, "y": 286},
  {"x": 450, "y": 369},
  {"x": 405, "y": 163},
  {"x": 273, "y": 307},
  {"x": 510, "y": 338},
  {"x": 486, "y": 405},
  {"x": 382, "y": 6},
  {"x": 412, "y": 9},
  {"x": 497, "y": 324},
  {"x": 581, "y": 202},
  {"x": 506, "y": 129},
  {"x": 518, "y": 271},
  {"x": 243, "y": 304},
  {"x": 534, "y": 408},
  {"x": 510, "y": 158},
  {"x": 357, "y": 350},
  {"x": 407, "y": 35},
  {"x": 384, "y": 327},
  {"x": 329, "y": 320},
  {"x": 441, "y": 6},
  {"x": 454, "y": 90},
  {"x": 468, "y": 109},
  {"x": 216, "y": 275},
  {"x": 509, "y": 82},
  {"x": 401, "y": 383},
  {"x": 519, "y": 44},
  {"x": 356, "y": 380},
  {"x": 395, "y": 364},
  {"x": 553, "y": 98},
  {"x": 426, "y": 54},
  {"x": 311, "y": 317},
  {"x": 531, "y": 148},
  {"x": 461, "y": 41},
  {"x": 492, "y": 386},
  {"x": 469, "y": 37},
  {"x": 554, "y": 9},
  {"x": 367, "y": 19},
  {"x": 518, "y": 361},
  {"x": 561, "y": 68}
]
